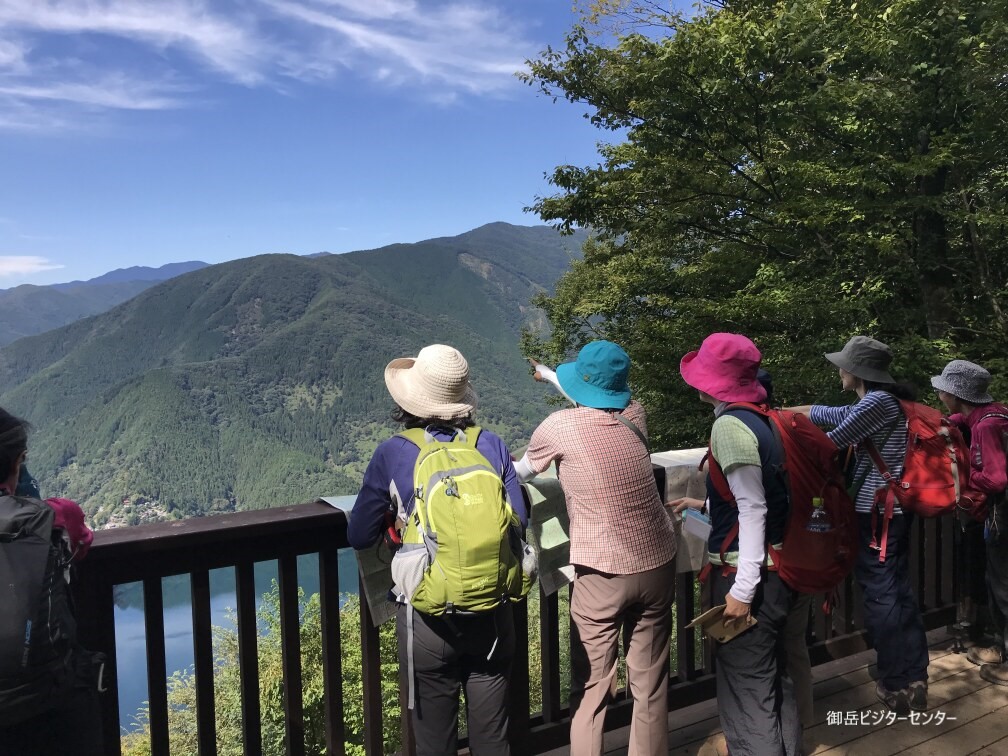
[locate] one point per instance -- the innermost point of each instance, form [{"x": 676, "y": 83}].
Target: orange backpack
[{"x": 935, "y": 470}]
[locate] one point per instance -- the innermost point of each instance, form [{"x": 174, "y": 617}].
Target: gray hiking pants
[
  {"x": 754, "y": 692},
  {"x": 450, "y": 655}
]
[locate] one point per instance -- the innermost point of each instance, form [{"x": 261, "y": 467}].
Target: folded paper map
[{"x": 713, "y": 624}]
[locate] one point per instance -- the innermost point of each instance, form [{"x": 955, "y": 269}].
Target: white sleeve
[
  {"x": 551, "y": 377},
  {"x": 746, "y": 482},
  {"x": 524, "y": 470}
]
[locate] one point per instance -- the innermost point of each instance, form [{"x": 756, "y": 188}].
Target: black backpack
[{"x": 38, "y": 632}]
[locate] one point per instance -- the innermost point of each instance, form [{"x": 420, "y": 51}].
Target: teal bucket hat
[{"x": 598, "y": 377}]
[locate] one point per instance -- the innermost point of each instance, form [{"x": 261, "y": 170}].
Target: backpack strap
[
  {"x": 420, "y": 437},
  {"x": 416, "y": 436},
  {"x": 410, "y": 669},
  {"x": 470, "y": 435},
  {"x": 1000, "y": 415},
  {"x": 632, "y": 426},
  {"x": 892, "y": 486}
]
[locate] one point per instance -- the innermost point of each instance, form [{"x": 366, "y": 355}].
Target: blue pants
[{"x": 891, "y": 615}]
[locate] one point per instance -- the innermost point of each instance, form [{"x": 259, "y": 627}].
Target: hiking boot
[
  {"x": 995, "y": 673},
  {"x": 981, "y": 655},
  {"x": 917, "y": 694},
  {"x": 896, "y": 700}
]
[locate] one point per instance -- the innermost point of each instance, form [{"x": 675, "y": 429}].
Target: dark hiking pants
[
  {"x": 449, "y": 655},
  {"x": 891, "y": 616},
  {"x": 997, "y": 588},
  {"x": 755, "y": 695}
]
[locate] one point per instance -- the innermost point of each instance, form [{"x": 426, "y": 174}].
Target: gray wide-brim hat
[
  {"x": 865, "y": 358},
  {"x": 964, "y": 380}
]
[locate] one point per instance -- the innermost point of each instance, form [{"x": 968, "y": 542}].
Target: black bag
[{"x": 38, "y": 632}]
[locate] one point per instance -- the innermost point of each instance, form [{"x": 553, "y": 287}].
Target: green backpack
[{"x": 461, "y": 550}]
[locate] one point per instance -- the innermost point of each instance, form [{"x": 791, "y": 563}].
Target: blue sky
[{"x": 142, "y": 132}]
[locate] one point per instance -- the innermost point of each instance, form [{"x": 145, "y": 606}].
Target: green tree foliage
[
  {"x": 227, "y": 687},
  {"x": 799, "y": 172}
]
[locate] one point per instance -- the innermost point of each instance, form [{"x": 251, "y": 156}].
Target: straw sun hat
[{"x": 435, "y": 383}]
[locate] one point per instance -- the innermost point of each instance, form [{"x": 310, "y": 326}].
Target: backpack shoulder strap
[
  {"x": 416, "y": 436},
  {"x": 471, "y": 435},
  {"x": 999, "y": 415},
  {"x": 633, "y": 426},
  {"x": 420, "y": 438},
  {"x": 908, "y": 410}
]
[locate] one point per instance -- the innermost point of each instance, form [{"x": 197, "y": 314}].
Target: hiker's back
[
  {"x": 48, "y": 684},
  {"x": 618, "y": 524},
  {"x": 37, "y": 628},
  {"x": 462, "y": 549}
]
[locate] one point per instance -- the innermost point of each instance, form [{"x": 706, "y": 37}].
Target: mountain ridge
[
  {"x": 29, "y": 309},
  {"x": 259, "y": 381}
]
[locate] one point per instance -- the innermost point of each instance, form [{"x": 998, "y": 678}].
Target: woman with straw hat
[
  {"x": 473, "y": 651},
  {"x": 622, "y": 545}
]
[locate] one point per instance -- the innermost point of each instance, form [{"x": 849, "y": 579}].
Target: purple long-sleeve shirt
[{"x": 388, "y": 481}]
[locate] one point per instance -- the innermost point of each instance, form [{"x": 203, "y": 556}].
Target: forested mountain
[
  {"x": 26, "y": 310},
  {"x": 260, "y": 381}
]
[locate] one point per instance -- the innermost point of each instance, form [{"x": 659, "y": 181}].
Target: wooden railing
[{"x": 194, "y": 547}]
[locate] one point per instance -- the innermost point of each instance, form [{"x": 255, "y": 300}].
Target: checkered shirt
[{"x": 618, "y": 524}]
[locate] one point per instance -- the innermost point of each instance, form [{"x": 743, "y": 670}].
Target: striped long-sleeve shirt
[{"x": 877, "y": 416}]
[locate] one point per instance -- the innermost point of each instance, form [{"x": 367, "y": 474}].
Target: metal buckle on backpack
[{"x": 451, "y": 487}]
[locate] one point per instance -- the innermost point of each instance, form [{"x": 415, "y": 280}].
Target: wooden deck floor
[{"x": 966, "y": 715}]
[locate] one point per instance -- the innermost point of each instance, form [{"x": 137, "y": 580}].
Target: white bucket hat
[
  {"x": 435, "y": 383},
  {"x": 965, "y": 380}
]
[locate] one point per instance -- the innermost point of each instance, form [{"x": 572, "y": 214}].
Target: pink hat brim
[{"x": 718, "y": 380}]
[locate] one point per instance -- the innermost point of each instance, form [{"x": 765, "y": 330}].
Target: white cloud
[
  {"x": 61, "y": 58},
  {"x": 25, "y": 265},
  {"x": 457, "y": 46},
  {"x": 111, "y": 92},
  {"x": 190, "y": 25}
]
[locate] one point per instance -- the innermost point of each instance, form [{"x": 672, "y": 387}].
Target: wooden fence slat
[
  {"x": 290, "y": 641},
  {"x": 549, "y": 654},
  {"x": 332, "y": 651},
  {"x": 518, "y": 685},
  {"x": 206, "y": 716},
  {"x": 371, "y": 678},
  {"x": 685, "y": 638},
  {"x": 157, "y": 683},
  {"x": 248, "y": 657}
]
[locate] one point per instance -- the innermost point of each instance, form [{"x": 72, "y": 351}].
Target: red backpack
[
  {"x": 935, "y": 470},
  {"x": 809, "y": 562}
]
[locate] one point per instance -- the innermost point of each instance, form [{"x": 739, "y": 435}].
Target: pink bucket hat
[{"x": 725, "y": 367}]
